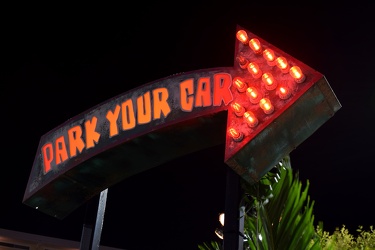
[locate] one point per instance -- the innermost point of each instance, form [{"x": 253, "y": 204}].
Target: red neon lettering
[
  {"x": 128, "y": 116},
  {"x": 91, "y": 135},
  {"x": 186, "y": 89},
  {"x": 75, "y": 140},
  {"x": 144, "y": 108},
  {"x": 61, "y": 152},
  {"x": 160, "y": 102},
  {"x": 203, "y": 95},
  {"x": 47, "y": 152},
  {"x": 112, "y": 118},
  {"x": 222, "y": 84}
]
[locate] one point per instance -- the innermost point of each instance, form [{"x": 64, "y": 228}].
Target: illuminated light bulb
[
  {"x": 253, "y": 95},
  {"x": 236, "y": 135},
  {"x": 297, "y": 74},
  {"x": 250, "y": 119},
  {"x": 266, "y": 105},
  {"x": 242, "y": 61},
  {"x": 254, "y": 69},
  {"x": 242, "y": 36},
  {"x": 255, "y": 45},
  {"x": 269, "y": 81},
  {"x": 221, "y": 218},
  {"x": 219, "y": 233},
  {"x": 284, "y": 92},
  {"x": 238, "y": 109},
  {"x": 240, "y": 84},
  {"x": 282, "y": 64},
  {"x": 270, "y": 57}
]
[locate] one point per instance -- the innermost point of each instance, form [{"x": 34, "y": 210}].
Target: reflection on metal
[{"x": 99, "y": 220}]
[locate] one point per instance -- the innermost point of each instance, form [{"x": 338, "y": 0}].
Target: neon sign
[{"x": 261, "y": 108}]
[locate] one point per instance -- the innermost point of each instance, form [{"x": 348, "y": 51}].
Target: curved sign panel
[{"x": 261, "y": 108}]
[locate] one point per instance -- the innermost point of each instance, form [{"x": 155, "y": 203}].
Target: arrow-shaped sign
[{"x": 261, "y": 108}]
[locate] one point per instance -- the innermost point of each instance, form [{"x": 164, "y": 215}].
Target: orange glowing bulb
[
  {"x": 255, "y": 45},
  {"x": 242, "y": 36},
  {"x": 297, "y": 74},
  {"x": 254, "y": 69},
  {"x": 250, "y": 119},
  {"x": 238, "y": 109},
  {"x": 284, "y": 93},
  {"x": 269, "y": 81},
  {"x": 266, "y": 105},
  {"x": 269, "y": 55},
  {"x": 236, "y": 135},
  {"x": 282, "y": 64},
  {"x": 240, "y": 84},
  {"x": 253, "y": 95}
]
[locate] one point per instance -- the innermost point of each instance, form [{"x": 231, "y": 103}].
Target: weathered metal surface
[
  {"x": 171, "y": 117},
  {"x": 286, "y": 132},
  {"x": 72, "y": 182}
]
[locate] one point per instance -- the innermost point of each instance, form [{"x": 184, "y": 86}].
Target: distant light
[
  {"x": 221, "y": 219},
  {"x": 219, "y": 233}
]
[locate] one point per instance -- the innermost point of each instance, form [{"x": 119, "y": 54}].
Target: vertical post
[
  {"x": 231, "y": 220},
  {"x": 99, "y": 220},
  {"x": 88, "y": 224},
  {"x": 88, "y": 240},
  {"x": 241, "y": 228}
]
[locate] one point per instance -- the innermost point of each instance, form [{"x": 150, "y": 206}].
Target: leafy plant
[{"x": 279, "y": 215}]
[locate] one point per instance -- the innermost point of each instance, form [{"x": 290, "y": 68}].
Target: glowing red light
[
  {"x": 253, "y": 95},
  {"x": 242, "y": 36},
  {"x": 255, "y": 45},
  {"x": 297, "y": 74},
  {"x": 236, "y": 135},
  {"x": 266, "y": 105},
  {"x": 238, "y": 109},
  {"x": 240, "y": 84},
  {"x": 254, "y": 69},
  {"x": 250, "y": 119},
  {"x": 269, "y": 81}
]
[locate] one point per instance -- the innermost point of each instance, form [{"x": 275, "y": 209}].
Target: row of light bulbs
[{"x": 267, "y": 79}]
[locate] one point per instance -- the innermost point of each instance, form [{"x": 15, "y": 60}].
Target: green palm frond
[
  {"x": 278, "y": 212},
  {"x": 284, "y": 211}
]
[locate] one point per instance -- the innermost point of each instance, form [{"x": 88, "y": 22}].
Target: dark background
[{"x": 58, "y": 61}]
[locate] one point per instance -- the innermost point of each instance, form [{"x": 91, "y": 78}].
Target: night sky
[{"x": 59, "y": 61}]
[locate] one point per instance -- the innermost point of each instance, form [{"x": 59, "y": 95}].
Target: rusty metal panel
[{"x": 286, "y": 132}]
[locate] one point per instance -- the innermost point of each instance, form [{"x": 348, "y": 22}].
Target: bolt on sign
[{"x": 261, "y": 109}]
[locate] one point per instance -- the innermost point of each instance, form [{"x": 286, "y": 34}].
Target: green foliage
[
  {"x": 279, "y": 215},
  {"x": 341, "y": 239}
]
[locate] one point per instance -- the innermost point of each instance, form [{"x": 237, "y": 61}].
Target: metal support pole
[
  {"x": 88, "y": 224},
  {"x": 231, "y": 232},
  {"x": 99, "y": 220},
  {"x": 88, "y": 241}
]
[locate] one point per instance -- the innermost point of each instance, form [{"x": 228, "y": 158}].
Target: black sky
[{"x": 58, "y": 61}]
